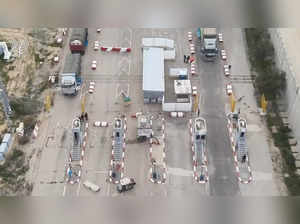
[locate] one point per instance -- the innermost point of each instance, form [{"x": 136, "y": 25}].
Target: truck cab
[
  {"x": 209, "y": 47},
  {"x": 69, "y": 85}
]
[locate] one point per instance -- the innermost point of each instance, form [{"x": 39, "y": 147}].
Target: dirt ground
[
  {"x": 32, "y": 63},
  {"x": 26, "y": 71}
]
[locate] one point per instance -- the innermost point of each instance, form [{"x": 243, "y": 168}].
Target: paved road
[
  {"x": 111, "y": 68},
  {"x": 223, "y": 181}
]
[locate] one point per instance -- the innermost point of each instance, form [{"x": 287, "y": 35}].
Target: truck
[
  {"x": 125, "y": 184},
  {"x": 78, "y": 40},
  {"x": 70, "y": 76},
  {"x": 209, "y": 44}
]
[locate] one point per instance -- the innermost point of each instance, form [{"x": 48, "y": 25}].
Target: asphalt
[{"x": 222, "y": 179}]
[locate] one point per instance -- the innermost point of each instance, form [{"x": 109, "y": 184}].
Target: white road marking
[
  {"x": 78, "y": 188},
  {"x": 117, "y": 90},
  {"x": 64, "y": 191},
  {"x": 180, "y": 172}
]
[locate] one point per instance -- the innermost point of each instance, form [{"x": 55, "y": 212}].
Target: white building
[{"x": 153, "y": 75}]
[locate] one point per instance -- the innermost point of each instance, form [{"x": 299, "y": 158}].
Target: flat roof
[
  {"x": 153, "y": 69},
  {"x": 158, "y": 42},
  {"x": 182, "y": 86}
]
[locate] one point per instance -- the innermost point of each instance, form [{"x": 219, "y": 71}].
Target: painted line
[{"x": 64, "y": 191}]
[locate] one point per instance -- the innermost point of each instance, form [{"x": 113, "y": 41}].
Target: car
[
  {"x": 99, "y": 30},
  {"x": 125, "y": 184},
  {"x": 229, "y": 89},
  {"x": 94, "y": 65},
  {"x": 194, "y": 91},
  {"x": 96, "y": 45},
  {"x": 91, "y": 186}
]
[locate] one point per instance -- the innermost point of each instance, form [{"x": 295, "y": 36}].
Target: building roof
[
  {"x": 3, "y": 148},
  {"x": 182, "y": 87},
  {"x": 170, "y": 54},
  {"x": 6, "y": 138},
  {"x": 158, "y": 42},
  {"x": 153, "y": 69}
]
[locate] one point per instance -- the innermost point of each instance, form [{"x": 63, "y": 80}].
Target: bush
[
  {"x": 29, "y": 122},
  {"x": 25, "y": 106},
  {"x": 272, "y": 82}
]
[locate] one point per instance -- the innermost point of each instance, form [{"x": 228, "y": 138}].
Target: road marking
[
  {"x": 64, "y": 191},
  {"x": 78, "y": 188},
  {"x": 180, "y": 172},
  {"x": 117, "y": 90}
]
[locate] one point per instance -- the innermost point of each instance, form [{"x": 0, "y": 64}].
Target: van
[
  {"x": 91, "y": 186},
  {"x": 126, "y": 184}
]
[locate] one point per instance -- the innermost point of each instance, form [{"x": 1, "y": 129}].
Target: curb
[
  {"x": 192, "y": 53},
  {"x": 116, "y": 49}
]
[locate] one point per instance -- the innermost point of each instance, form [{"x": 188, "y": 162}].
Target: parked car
[
  {"x": 125, "y": 184},
  {"x": 229, "y": 89},
  {"x": 96, "y": 45},
  {"x": 94, "y": 65},
  {"x": 99, "y": 30},
  {"x": 91, "y": 186},
  {"x": 194, "y": 90}
]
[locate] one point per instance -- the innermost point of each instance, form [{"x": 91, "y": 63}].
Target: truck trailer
[
  {"x": 70, "y": 77},
  {"x": 78, "y": 40},
  {"x": 209, "y": 44}
]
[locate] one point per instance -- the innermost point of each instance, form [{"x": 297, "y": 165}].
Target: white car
[
  {"x": 229, "y": 89},
  {"x": 96, "y": 45},
  {"x": 91, "y": 186},
  {"x": 99, "y": 30},
  {"x": 94, "y": 65}
]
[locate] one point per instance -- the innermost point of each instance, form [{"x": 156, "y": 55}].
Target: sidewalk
[{"x": 264, "y": 182}]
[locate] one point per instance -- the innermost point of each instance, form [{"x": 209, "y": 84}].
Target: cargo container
[
  {"x": 78, "y": 40},
  {"x": 7, "y": 139},
  {"x": 71, "y": 77}
]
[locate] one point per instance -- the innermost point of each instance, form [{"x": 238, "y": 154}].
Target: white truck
[
  {"x": 209, "y": 44},
  {"x": 70, "y": 77}
]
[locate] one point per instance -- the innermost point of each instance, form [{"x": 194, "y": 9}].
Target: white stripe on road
[
  {"x": 64, "y": 191},
  {"x": 78, "y": 188}
]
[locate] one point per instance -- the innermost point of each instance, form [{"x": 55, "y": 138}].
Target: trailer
[
  {"x": 71, "y": 74},
  {"x": 78, "y": 40}
]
